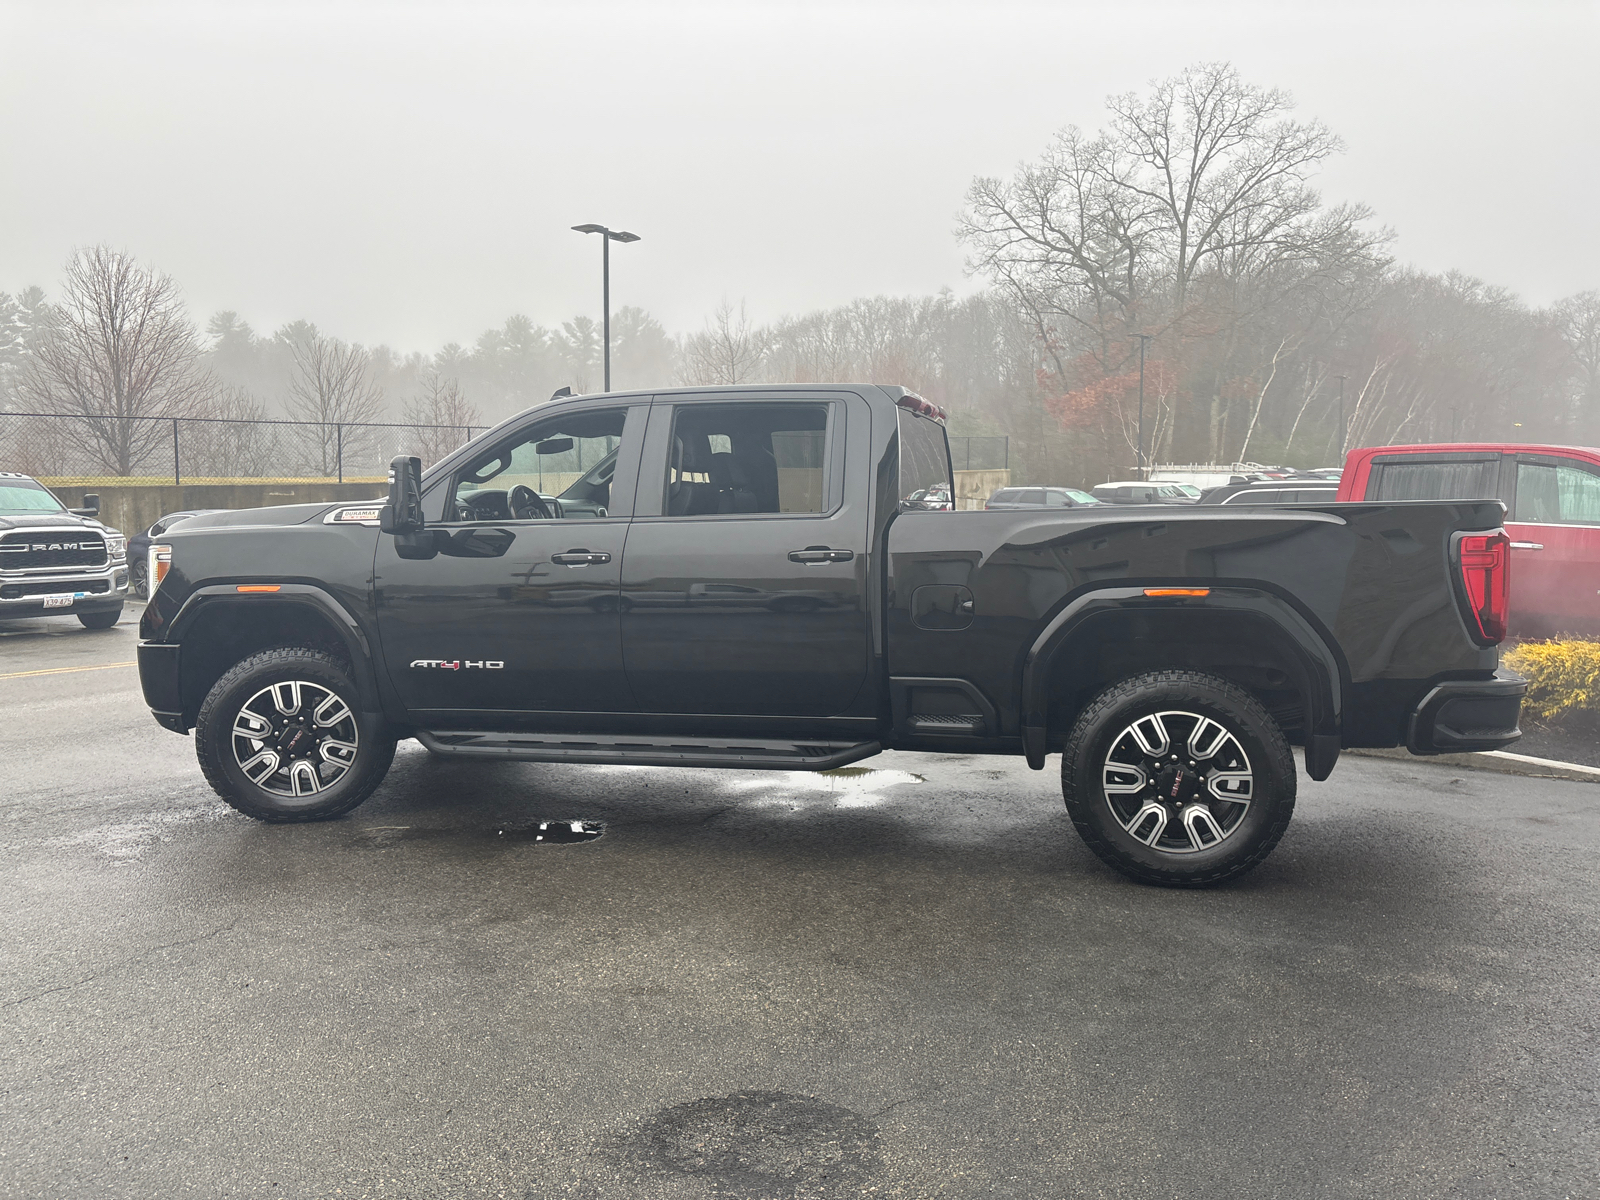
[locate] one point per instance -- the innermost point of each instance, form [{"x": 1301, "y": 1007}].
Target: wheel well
[
  {"x": 227, "y": 632},
  {"x": 1243, "y": 648}
]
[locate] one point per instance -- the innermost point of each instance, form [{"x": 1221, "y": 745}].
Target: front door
[
  {"x": 1555, "y": 547},
  {"x": 513, "y": 606},
  {"x": 744, "y": 590}
]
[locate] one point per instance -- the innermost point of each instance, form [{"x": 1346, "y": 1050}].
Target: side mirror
[
  {"x": 91, "y": 506},
  {"x": 402, "y": 514}
]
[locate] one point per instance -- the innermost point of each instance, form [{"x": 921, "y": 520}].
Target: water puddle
[
  {"x": 543, "y": 833},
  {"x": 554, "y": 833}
]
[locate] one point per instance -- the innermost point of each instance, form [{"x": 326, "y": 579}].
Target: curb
[{"x": 1501, "y": 761}]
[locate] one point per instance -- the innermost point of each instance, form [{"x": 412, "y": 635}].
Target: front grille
[
  {"x": 53, "y": 587},
  {"x": 50, "y": 550}
]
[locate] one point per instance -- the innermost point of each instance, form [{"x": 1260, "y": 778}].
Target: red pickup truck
[{"x": 1552, "y": 499}]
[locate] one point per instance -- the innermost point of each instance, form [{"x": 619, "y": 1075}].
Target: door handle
[
  {"x": 813, "y": 555},
  {"x": 1527, "y": 545},
  {"x": 580, "y": 558}
]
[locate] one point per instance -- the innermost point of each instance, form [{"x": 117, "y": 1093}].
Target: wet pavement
[{"x": 906, "y": 978}]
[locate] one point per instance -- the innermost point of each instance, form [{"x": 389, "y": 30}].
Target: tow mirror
[
  {"x": 402, "y": 514},
  {"x": 91, "y": 506}
]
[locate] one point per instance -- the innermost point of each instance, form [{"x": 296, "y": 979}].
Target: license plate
[{"x": 58, "y": 601}]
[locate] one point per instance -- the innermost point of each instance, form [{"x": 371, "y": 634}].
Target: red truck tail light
[
  {"x": 1485, "y": 563},
  {"x": 923, "y": 408}
]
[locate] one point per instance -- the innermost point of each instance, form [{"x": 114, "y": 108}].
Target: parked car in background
[
  {"x": 56, "y": 560},
  {"x": 934, "y": 499},
  {"x": 1276, "y": 491},
  {"x": 1039, "y": 497},
  {"x": 1552, "y": 499},
  {"x": 1138, "y": 491},
  {"x": 139, "y": 549}
]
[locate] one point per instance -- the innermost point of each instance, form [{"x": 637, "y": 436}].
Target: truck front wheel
[
  {"x": 1178, "y": 778},
  {"x": 282, "y": 737}
]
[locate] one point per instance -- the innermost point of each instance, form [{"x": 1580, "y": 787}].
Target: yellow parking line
[{"x": 66, "y": 670}]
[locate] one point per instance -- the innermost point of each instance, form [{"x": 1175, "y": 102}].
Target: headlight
[
  {"x": 160, "y": 564},
  {"x": 116, "y": 545}
]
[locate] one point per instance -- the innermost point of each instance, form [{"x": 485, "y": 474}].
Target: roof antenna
[{"x": 559, "y": 393}]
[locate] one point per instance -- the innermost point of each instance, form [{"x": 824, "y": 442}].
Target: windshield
[
  {"x": 1081, "y": 497},
  {"x": 23, "y": 497}
]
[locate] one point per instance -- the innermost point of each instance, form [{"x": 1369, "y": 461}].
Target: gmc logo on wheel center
[{"x": 458, "y": 664}]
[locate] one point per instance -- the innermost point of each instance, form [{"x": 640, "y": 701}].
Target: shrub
[{"x": 1563, "y": 678}]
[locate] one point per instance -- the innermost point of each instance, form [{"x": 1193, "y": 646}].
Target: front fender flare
[{"x": 354, "y": 637}]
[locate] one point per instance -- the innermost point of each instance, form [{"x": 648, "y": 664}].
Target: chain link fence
[
  {"x": 980, "y": 453},
  {"x": 164, "y": 451},
  {"x": 157, "y": 451}
]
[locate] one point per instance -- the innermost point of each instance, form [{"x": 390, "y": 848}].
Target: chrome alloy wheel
[
  {"x": 295, "y": 738},
  {"x": 1178, "y": 782}
]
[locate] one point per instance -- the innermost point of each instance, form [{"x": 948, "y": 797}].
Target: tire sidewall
[
  {"x": 106, "y": 619},
  {"x": 214, "y": 738},
  {"x": 1270, "y": 759}
]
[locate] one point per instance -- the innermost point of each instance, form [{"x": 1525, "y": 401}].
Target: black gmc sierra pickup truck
[{"x": 733, "y": 577}]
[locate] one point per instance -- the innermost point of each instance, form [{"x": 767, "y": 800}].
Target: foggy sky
[{"x": 408, "y": 174}]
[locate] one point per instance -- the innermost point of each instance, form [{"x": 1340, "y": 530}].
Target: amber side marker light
[
  {"x": 1177, "y": 591},
  {"x": 257, "y": 587}
]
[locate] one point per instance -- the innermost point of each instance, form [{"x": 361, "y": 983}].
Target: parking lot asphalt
[{"x": 904, "y": 979}]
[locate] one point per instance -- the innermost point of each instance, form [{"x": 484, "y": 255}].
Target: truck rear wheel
[
  {"x": 1178, "y": 778},
  {"x": 282, "y": 737}
]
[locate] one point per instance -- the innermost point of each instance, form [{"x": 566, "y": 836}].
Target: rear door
[
  {"x": 1555, "y": 538},
  {"x": 744, "y": 588}
]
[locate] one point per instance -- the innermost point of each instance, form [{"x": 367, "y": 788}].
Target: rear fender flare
[{"x": 1323, "y": 675}]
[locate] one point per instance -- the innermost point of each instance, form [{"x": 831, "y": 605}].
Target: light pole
[
  {"x": 608, "y": 236},
  {"x": 1144, "y": 340},
  {"x": 1344, "y": 430}
]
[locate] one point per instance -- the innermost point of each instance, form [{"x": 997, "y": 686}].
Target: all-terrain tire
[
  {"x": 1183, "y": 710},
  {"x": 300, "y": 679},
  {"x": 100, "y": 620}
]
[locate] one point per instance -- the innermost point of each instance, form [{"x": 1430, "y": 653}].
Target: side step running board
[{"x": 614, "y": 749}]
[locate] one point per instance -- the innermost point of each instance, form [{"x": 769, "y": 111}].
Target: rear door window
[
  {"x": 1435, "y": 480},
  {"x": 1031, "y": 496},
  {"x": 1548, "y": 494},
  {"x": 728, "y": 459}
]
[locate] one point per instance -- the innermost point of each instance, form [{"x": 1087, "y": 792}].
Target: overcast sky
[{"x": 408, "y": 173}]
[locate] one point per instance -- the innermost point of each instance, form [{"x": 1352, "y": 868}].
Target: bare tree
[
  {"x": 120, "y": 354},
  {"x": 1189, "y": 217},
  {"x": 1578, "y": 318},
  {"x": 441, "y": 418},
  {"x": 235, "y": 441},
  {"x": 330, "y": 386},
  {"x": 728, "y": 350}
]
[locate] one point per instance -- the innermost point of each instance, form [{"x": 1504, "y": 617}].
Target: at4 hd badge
[{"x": 457, "y": 664}]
